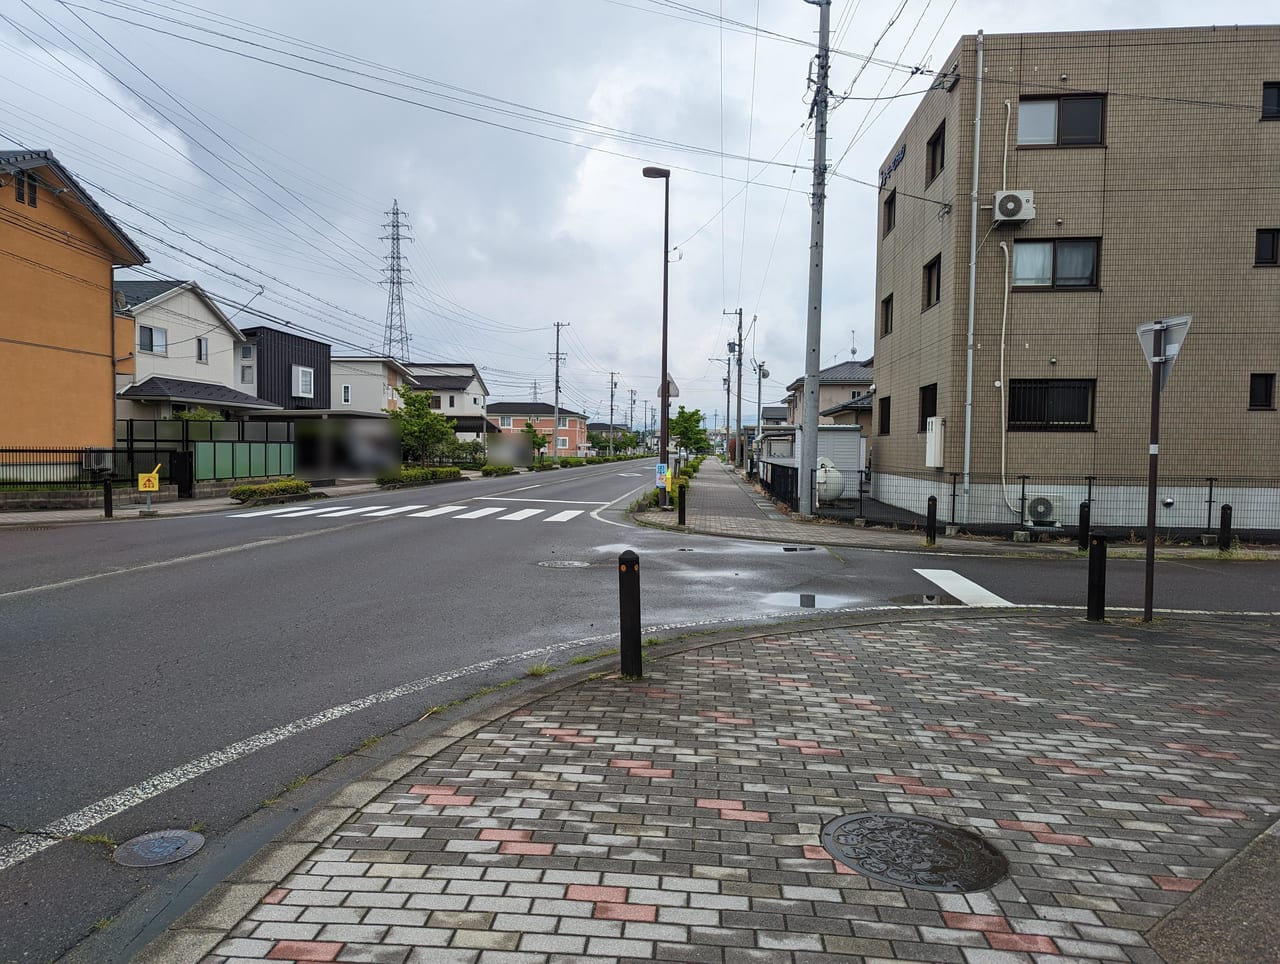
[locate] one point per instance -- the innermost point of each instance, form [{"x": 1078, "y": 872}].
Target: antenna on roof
[{"x": 853, "y": 344}]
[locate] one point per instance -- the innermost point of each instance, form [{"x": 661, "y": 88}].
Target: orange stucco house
[{"x": 62, "y": 341}]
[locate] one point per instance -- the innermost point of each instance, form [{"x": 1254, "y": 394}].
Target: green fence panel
[
  {"x": 286, "y": 459},
  {"x": 222, "y": 460},
  {"x": 257, "y": 459},
  {"x": 205, "y": 469},
  {"x": 241, "y": 459}
]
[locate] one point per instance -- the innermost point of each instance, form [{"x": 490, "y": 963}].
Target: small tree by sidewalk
[
  {"x": 537, "y": 441},
  {"x": 425, "y": 434}
]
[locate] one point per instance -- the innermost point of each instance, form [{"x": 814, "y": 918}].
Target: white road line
[
  {"x": 396, "y": 511},
  {"x": 967, "y": 591},
  {"x": 255, "y": 514},
  {"x": 342, "y": 512},
  {"x": 521, "y": 514},
  {"x": 499, "y": 498},
  {"x": 479, "y": 513},
  {"x": 438, "y": 510},
  {"x": 302, "y": 512},
  {"x": 563, "y": 516}
]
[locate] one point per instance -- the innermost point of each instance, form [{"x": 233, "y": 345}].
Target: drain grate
[
  {"x": 160, "y": 847},
  {"x": 915, "y": 852},
  {"x": 564, "y": 564}
]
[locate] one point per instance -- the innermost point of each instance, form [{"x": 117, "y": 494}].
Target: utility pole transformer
[
  {"x": 813, "y": 331},
  {"x": 395, "y": 337},
  {"x": 555, "y": 424}
]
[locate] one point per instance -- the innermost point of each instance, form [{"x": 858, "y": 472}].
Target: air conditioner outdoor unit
[
  {"x": 96, "y": 460},
  {"x": 1044, "y": 510},
  {"x": 1013, "y": 207}
]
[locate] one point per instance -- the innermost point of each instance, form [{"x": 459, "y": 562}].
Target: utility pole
[
  {"x": 395, "y": 337},
  {"x": 631, "y": 421},
  {"x": 813, "y": 330},
  {"x": 735, "y": 347},
  {"x": 761, "y": 374},
  {"x": 555, "y": 425},
  {"x": 644, "y": 426},
  {"x": 613, "y": 384}
]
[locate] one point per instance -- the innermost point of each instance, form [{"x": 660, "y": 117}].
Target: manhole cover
[
  {"x": 160, "y": 847},
  {"x": 564, "y": 564},
  {"x": 914, "y": 852}
]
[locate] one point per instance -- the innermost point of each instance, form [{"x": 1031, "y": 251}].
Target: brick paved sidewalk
[{"x": 678, "y": 818}]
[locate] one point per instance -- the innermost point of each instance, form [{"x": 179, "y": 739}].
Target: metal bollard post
[
  {"x": 106, "y": 497},
  {"x": 682, "y": 507},
  {"x": 1083, "y": 534},
  {"x": 1224, "y": 530},
  {"x": 1097, "y": 576},
  {"x": 931, "y": 522},
  {"x": 629, "y": 613}
]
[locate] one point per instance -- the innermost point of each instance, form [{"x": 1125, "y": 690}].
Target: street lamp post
[{"x": 664, "y": 390}]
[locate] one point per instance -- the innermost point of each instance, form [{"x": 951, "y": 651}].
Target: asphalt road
[{"x": 184, "y": 672}]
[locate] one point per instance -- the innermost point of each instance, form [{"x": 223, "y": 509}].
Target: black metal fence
[
  {"x": 49, "y": 468},
  {"x": 780, "y": 481}
]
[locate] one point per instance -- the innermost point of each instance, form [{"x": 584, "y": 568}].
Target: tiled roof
[
  {"x": 181, "y": 390},
  {"x": 843, "y": 373},
  {"x": 860, "y": 404},
  {"x": 529, "y": 408},
  {"x": 447, "y": 383},
  {"x": 137, "y": 292}
]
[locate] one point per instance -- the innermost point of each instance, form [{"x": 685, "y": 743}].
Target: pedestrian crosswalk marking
[
  {"x": 260, "y": 512},
  {"x": 520, "y": 514},
  {"x": 480, "y": 513},
  {"x": 967, "y": 591},
  {"x": 438, "y": 510},
  {"x": 395, "y": 511},
  {"x": 563, "y": 516},
  {"x": 343, "y": 512},
  {"x": 301, "y": 512}
]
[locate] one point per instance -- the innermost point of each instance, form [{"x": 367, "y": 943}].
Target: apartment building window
[
  {"x": 886, "y": 315},
  {"x": 890, "y": 211},
  {"x": 304, "y": 381},
  {"x": 1055, "y": 264},
  {"x": 246, "y": 374},
  {"x": 1060, "y": 121},
  {"x": 346, "y": 394},
  {"x": 928, "y": 405},
  {"x": 153, "y": 340},
  {"x": 562, "y": 441},
  {"x": 1267, "y": 247},
  {"x": 1262, "y": 390},
  {"x": 932, "y": 279},
  {"x": 1051, "y": 404},
  {"x": 936, "y": 153},
  {"x": 1271, "y": 101},
  {"x": 563, "y": 422},
  {"x": 883, "y": 425},
  {"x": 504, "y": 421}
]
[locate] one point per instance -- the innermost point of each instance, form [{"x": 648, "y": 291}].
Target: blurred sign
[{"x": 661, "y": 471}]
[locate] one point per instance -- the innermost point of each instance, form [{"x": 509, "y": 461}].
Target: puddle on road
[
  {"x": 926, "y": 599},
  {"x": 804, "y": 600}
]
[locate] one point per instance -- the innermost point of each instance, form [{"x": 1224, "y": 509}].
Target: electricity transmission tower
[{"x": 395, "y": 338}]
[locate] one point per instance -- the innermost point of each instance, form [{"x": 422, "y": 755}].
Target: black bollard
[
  {"x": 106, "y": 497},
  {"x": 1224, "y": 530},
  {"x": 629, "y": 614},
  {"x": 931, "y": 522},
  {"x": 1097, "y": 576},
  {"x": 682, "y": 506},
  {"x": 1083, "y": 533}
]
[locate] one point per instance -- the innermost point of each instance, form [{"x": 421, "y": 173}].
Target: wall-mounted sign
[{"x": 893, "y": 165}]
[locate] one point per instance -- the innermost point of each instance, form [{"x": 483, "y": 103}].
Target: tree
[
  {"x": 537, "y": 441},
  {"x": 198, "y": 414},
  {"x": 687, "y": 427},
  {"x": 425, "y": 434}
]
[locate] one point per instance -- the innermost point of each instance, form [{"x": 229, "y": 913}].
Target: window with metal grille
[
  {"x": 1271, "y": 101},
  {"x": 1051, "y": 404}
]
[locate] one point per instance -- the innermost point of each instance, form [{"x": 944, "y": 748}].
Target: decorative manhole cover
[
  {"x": 564, "y": 564},
  {"x": 160, "y": 847},
  {"x": 914, "y": 852}
]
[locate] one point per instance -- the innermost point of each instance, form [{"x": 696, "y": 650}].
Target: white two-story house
[
  {"x": 457, "y": 392},
  {"x": 365, "y": 384}
]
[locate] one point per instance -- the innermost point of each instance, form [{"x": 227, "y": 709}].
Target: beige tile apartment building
[{"x": 1151, "y": 160}]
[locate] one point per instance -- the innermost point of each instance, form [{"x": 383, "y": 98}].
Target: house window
[
  {"x": 563, "y": 422},
  {"x": 1060, "y": 121},
  {"x": 246, "y": 351},
  {"x": 1262, "y": 390},
  {"x": 932, "y": 282},
  {"x": 246, "y": 374},
  {"x": 1055, "y": 264},
  {"x": 504, "y": 421},
  {"x": 1051, "y": 404},
  {"x": 435, "y": 402},
  {"x": 936, "y": 153},
  {"x": 202, "y": 350},
  {"x": 24, "y": 188},
  {"x": 928, "y": 405},
  {"x": 1267, "y": 247},
  {"x": 452, "y": 400},
  {"x": 884, "y": 416},
  {"x": 154, "y": 340},
  {"x": 886, "y": 315},
  {"x": 304, "y": 381},
  {"x": 562, "y": 441},
  {"x": 1271, "y": 101},
  {"x": 890, "y": 211},
  {"x": 346, "y": 394}
]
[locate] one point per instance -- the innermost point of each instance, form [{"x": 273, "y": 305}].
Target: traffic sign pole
[{"x": 1153, "y": 459}]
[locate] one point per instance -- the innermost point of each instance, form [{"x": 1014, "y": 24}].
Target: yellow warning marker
[{"x": 149, "y": 481}]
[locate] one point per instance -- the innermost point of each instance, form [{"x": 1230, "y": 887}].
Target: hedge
[
  {"x": 497, "y": 470},
  {"x": 268, "y": 490},
  {"x": 419, "y": 476}
]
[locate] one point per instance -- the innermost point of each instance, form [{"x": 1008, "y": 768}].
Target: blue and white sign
[
  {"x": 893, "y": 165},
  {"x": 662, "y": 475}
]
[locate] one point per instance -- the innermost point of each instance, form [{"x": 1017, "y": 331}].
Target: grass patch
[
  {"x": 101, "y": 839},
  {"x": 102, "y": 923},
  {"x": 540, "y": 669},
  {"x": 197, "y": 827}
]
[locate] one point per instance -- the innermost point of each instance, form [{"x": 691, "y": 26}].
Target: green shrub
[
  {"x": 419, "y": 476},
  {"x": 496, "y": 470},
  {"x": 270, "y": 490}
]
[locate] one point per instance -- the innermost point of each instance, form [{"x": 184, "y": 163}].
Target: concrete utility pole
[
  {"x": 761, "y": 374},
  {"x": 813, "y": 331},
  {"x": 736, "y": 348},
  {"x": 631, "y": 421},
  {"x": 613, "y": 384},
  {"x": 555, "y": 424}
]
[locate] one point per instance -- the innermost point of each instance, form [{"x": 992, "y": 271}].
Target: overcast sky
[{"x": 251, "y": 145}]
